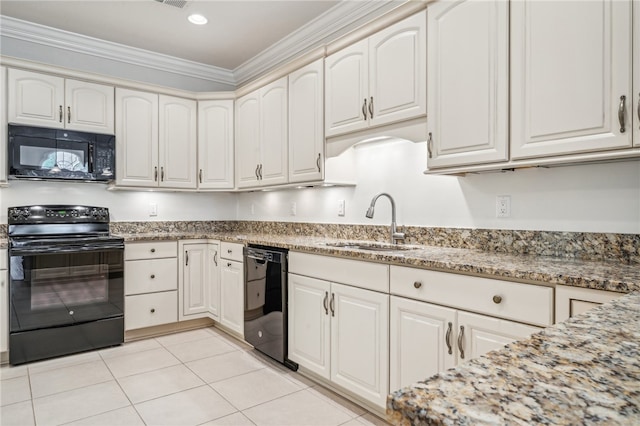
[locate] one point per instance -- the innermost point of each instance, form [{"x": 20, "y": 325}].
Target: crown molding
[
  {"x": 52, "y": 37},
  {"x": 323, "y": 29}
]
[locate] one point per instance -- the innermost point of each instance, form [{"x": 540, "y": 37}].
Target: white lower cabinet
[
  {"x": 199, "y": 282},
  {"x": 4, "y": 302},
  {"x": 339, "y": 332},
  {"x": 572, "y": 301},
  {"x": 151, "y": 284},
  {"x": 232, "y": 287}
]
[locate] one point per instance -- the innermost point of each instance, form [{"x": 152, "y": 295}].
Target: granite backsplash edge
[{"x": 578, "y": 245}]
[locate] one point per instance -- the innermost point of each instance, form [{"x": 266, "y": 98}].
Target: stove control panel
[{"x": 58, "y": 214}]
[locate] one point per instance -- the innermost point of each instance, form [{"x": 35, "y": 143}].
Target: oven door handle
[{"x": 18, "y": 251}]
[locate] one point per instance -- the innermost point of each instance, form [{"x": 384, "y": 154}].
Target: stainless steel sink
[{"x": 370, "y": 246}]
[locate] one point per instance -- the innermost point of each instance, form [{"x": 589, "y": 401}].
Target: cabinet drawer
[
  {"x": 150, "y": 250},
  {"x": 520, "y": 302},
  {"x": 146, "y": 310},
  {"x": 372, "y": 276},
  {"x": 231, "y": 251},
  {"x": 147, "y": 276},
  {"x": 3, "y": 259}
]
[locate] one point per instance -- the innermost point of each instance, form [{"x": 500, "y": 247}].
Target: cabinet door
[
  {"x": 36, "y": 99},
  {"x": 360, "y": 342},
  {"x": 422, "y": 341},
  {"x": 215, "y": 144},
  {"x": 213, "y": 279},
  {"x": 479, "y": 334},
  {"x": 177, "y": 142},
  {"x": 568, "y": 76},
  {"x": 273, "y": 133},
  {"x": 468, "y": 47},
  {"x": 136, "y": 138},
  {"x": 247, "y": 140},
  {"x": 3, "y": 124},
  {"x": 4, "y": 308},
  {"x": 398, "y": 71},
  {"x": 89, "y": 107},
  {"x": 635, "y": 117},
  {"x": 309, "y": 324},
  {"x": 306, "y": 123},
  {"x": 195, "y": 297},
  {"x": 232, "y": 296},
  {"x": 347, "y": 89}
]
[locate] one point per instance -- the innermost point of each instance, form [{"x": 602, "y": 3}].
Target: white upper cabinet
[
  {"x": 177, "y": 142},
  {"x": 3, "y": 124},
  {"x": 155, "y": 140},
  {"x": 379, "y": 80},
  {"x": 215, "y": 144},
  {"x": 468, "y": 82},
  {"x": 43, "y": 100},
  {"x": 136, "y": 138},
  {"x": 570, "y": 77},
  {"x": 306, "y": 125},
  {"x": 261, "y": 136}
]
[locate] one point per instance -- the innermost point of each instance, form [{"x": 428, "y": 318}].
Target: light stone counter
[{"x": 585, "y": 370}]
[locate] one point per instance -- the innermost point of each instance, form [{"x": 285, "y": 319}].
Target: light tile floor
[{"x": 199, "y": 377}]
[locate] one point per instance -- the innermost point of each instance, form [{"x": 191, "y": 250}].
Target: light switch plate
[
  {"x": 340, "y": 207},
  {"x": 153, "y": 209}
]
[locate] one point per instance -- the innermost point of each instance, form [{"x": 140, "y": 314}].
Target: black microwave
[{"x": 41, "y": 153}]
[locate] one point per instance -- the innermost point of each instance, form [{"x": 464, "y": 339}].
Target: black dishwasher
[{"x": 265, "y": 301}]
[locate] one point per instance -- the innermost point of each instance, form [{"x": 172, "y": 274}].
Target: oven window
[
  {"x": 60, "y": 289},
  {"x": 47, "y": 158}
]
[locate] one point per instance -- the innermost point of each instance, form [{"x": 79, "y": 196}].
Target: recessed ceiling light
[{"x": 197, "y": 19}]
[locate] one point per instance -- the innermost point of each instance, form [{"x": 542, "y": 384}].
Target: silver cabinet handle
[
  {"x": 417, "y": 284},
  {"x": 257, "y": 166},
  {"x": 332, "y": 305},
  {"x": 200, "y": 175},
  {"x": 186, "y": 257},
  {"x": 162, "y": 174},
  {"x": 60, "y": 113},
  {"x": 260, "y": 171},
  {"x": 229, "y": 251},
  {"x": 215, "y": 257},
  {"x": 68, "y": 114},
  {"x": 364, "y": 109},
  {"x": 155, "y": 173},
  {"x": 153, "y": 276},
  {"x": 153, "y": 310},
  {"x": 497, "y": 299},
  {"x": 460, "y": 340},
  {"x": 318, "y": 162},
  {"x": 447, "y": 338},
  {"x": 623, "y": 99},
  {"x": 371, "y": 107},
  {"x": 639, "y": 109},
  {"x": 152, "y": 250},
  {"x": 324, "y": 303},
  {"x": 430, "y": 145},
  {"x": 228, "y": 264}
]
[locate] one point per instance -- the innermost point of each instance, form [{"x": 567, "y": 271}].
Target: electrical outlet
[
  {"x": 153, "y": 209},
  {"x": 503, "y": 206},
  {"x": 293, "y": 208},
  {"x": 340, "y": 207},
  {"x": 253, "y": 208}
]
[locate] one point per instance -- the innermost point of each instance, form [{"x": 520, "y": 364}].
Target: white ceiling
[{"x": 237, "y": 30}]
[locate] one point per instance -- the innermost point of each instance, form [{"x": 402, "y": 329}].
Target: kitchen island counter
[{"x": 585, "y": 370}]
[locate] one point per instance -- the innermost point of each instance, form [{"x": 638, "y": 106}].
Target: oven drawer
[
  {"x": 150, "y": 250},
  {"x": 149, "y": 276},
  {"x": 146, "y": 310},
  {"x": 231, "y": 251}
]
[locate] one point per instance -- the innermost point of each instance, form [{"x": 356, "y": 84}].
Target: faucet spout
[{"x": 395, "y": 235}]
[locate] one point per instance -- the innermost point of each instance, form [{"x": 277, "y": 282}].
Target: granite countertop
[
  {"x": 600, "y": 275},
  {"x": 585, "y": 370}
]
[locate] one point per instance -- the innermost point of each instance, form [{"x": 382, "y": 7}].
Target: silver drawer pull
[
  {"x": 152, "y": 276},
  {"x": 447, "y": 338},
  {"x": 497, "y": 299},
  {"x": 324, "y": 303},
  {"x": 460, "y": 340},
  {"x": 621, "y": 119},
  {"x": 417, "y": 284},
  {"x": 153, "y": 250},
  {"x": 153, "y": 310},
  {"x": 229, "y": 251}
]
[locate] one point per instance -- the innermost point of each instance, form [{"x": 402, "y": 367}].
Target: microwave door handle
[{"x": 91, "y": 158}]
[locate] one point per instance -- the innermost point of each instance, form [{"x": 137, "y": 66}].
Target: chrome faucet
[{"x": 395, "y": 235}]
